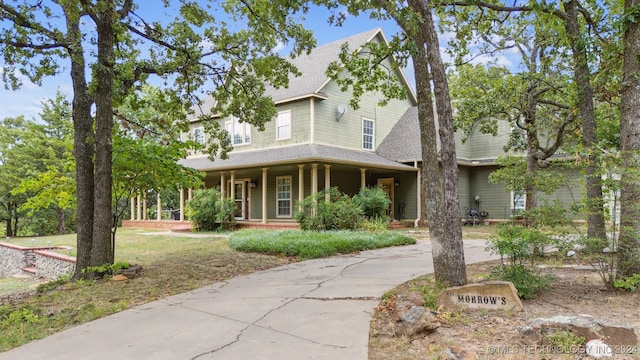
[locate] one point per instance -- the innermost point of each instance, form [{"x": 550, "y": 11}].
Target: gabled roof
[
  {"x": 294, "y": 154},
  {"x": 403, "y": 142},
  {"x": 313, "y": 69}
]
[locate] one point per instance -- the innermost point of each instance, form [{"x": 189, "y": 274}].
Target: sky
[{"x": 28, "y": 100}]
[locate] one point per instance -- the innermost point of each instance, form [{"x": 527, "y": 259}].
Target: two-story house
[{"x": 317, "y": 141}]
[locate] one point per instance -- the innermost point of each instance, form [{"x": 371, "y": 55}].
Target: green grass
[
  {"x": 314, "y": 244},
  {"x": 12, "y": 285}
]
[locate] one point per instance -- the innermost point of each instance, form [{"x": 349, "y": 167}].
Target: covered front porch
[
  {"x": 267, "y": 185},
  {"x": 185, "y": 225}
]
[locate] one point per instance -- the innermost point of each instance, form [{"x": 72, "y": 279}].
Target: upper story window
[
  {"x": 283, "y": 125},
  {"x": 239, "y": 132},
  {"x": 367, "y": 134},
  {"x": 198, "y": 135}
]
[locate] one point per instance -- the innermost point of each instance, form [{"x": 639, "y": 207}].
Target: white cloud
[{"x": 279, "y": 47}]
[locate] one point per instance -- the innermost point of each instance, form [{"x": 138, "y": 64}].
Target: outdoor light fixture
[
  {"x": 396, "y": 183},
  {"x": 342, "y": 109},
  {"x": 252, "y": 184}
]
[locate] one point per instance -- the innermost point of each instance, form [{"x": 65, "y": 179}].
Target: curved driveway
[{"x": 316, "y": 309}]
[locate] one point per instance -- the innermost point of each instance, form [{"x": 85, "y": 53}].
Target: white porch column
[
  {"x": 189, "y": 194},
  {"x": 314, "y": 179},
  {"x": 133, "y": 208},
  {"x": 363, "y": 178},
  {"x": 327, "y": 182},
  {"x": 181, "y": 204},
  {"x": 144, "y": 206},
  {"x": 314, "y": 186},
  {"x": 264, "y": 195},
  {"x": 159, "y": 207},
  {"x": 232, "y": 188},
  {"x": 300, "y": 184},
  {"x": 139, "y": 208},
  {"x": 223, "y": 185}
]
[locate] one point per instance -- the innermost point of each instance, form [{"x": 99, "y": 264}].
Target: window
[
  {"x": 518, "y": 199},
  {"x": 198, "y": 135},
  {"x": 239, "y": 132},
  {"x": 283, "y": 125},
  {"x": 367, "y": 134},
  {"x": 284, "y": 196}
]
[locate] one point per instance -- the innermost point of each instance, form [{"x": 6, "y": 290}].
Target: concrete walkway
[{"x": 317, "y": 309}]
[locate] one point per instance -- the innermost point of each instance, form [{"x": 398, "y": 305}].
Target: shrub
[
  {"x": 373, "y": 201},
  {"x": 528, "y": 283},
  {"x": 339, "y": 213},
  {"x": 629, "y": 283},
  {"x": 377, "y": 224},
  {"x": 207, "y": 211}
]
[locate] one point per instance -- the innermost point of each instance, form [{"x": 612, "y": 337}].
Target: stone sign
[{"x": 492, "y": 295}]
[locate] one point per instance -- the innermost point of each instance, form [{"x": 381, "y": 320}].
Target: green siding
[
  {"x": 347, "y": 132},
  {"x": 300, "y": 129},
  {"x": 486, "y": 146}
]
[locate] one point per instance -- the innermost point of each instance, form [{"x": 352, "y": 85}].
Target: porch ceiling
[{"x": 295, "y": 154}]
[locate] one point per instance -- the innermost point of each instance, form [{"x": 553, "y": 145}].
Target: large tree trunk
[
  {"x": 102, "y": 250},
  {"x": 431, "y": 172},
  {"x": 595, "y": 205},
  {"x": 83, "y": 145},
  {"x": 629, "y": 240},
  {"x": 442, "y": 203},
  {"x": 451, "y": 260}
]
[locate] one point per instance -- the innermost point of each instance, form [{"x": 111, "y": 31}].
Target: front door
[
  {"x": 240, "y": 197},
  {"x": 387, "y": 185}
]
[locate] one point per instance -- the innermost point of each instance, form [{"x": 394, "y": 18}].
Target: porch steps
[
  {"x": 29, "y": 270},
  {"x": 181, "y": 228}
]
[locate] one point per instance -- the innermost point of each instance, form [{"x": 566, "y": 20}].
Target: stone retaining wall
[
  {"x": 48, "y": 265},
  {"x": 12, "y": 259}
]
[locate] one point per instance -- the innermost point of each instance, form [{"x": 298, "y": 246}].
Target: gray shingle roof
[
  {"x": 294, "y": 154},
  {"x": 403, "y": 142},
  {"x": 312, "y": 68}
]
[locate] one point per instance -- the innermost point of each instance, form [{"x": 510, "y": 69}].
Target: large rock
[
  {"x": 417, "y": 321},
  {"x": 491, "y": 295},
  {"x": 535, "y": 331}
]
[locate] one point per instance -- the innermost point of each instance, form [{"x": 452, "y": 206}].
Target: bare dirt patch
[{"x": 494, "y": 334}]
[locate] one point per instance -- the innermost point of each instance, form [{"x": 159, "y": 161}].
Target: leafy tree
[
  {"x": 110, "y": 49},
  {"x": 53, "y": 187},
  {"x": 533, "y": 102},
  {"x": 12, "y": 166},
  {"x": 569, "y": 19}
]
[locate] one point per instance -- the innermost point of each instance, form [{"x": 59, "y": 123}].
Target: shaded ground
[{"x": 485, "y": 333}]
